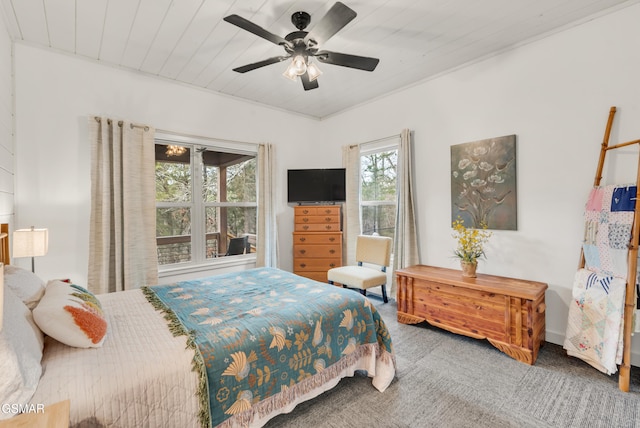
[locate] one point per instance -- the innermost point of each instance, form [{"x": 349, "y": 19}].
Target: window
[
  {"x": 378, "y": 190},
  {"x": 206, "y": 198}
]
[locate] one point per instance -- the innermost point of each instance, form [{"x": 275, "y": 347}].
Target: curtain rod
[
  {"x": 120, "y": 123},
  {"x": 376, "y": 141}
]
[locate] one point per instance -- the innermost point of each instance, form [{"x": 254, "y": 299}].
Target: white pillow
[
  {"x": 71, "y": 315},
  {"x": 24, "y": 284},
  {"x": 21, "y": 344}
]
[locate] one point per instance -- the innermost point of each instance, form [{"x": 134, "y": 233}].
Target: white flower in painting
[
  {"x": 489, "y": 189},
  {"x": 478, "y": 182},
  {"x": 470, "y": 174},
  {"x": 464, "y": 163},
  {"x": 485, "y": 166},
  {"x": 496, "y": 178},
  {"x": 455, "y": 174},
  {"x": 480, "y": 151}
]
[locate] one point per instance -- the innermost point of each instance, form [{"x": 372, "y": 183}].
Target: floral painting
[{"x": 483, "y": 183}]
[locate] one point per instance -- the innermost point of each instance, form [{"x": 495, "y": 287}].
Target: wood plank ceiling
[{"x": 188, "y": 41}]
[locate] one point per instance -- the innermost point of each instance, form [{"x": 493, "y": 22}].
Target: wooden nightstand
[{"x": 508, "y": 312}]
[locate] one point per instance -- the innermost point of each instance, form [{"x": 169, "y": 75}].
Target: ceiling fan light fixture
[
  {"x": 290, "y": 73},
  {"x": 313, "y": 71},
  {"x": 299, "y": 65}
]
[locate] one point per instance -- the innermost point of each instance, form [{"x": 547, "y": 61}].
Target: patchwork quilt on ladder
[
  {"x": 266, "y": 337},
  {"x": 596, "y": 313}
]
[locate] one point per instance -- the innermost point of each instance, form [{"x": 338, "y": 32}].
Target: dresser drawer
[
  {"x": 317, "y": 238},
  {"x": 322, "y": 210},
  {"x": 313, "y": 219},
  {"x": 315, "y": 250},
  {"x": 316, "y": 276},
  {"x": 317, "y": 227},
  {"x": 306, "y": 264}
]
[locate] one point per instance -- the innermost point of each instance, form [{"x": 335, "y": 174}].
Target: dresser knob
[
  {"x": 305, "y": 227},
  {"x": 328, "y": 219},
  {"x": 303, "y": 251},
  {"x": 302, "y": 239},
  {"x": 305, "y": 219},
  {"x": 332, "y": 265},
  {"x": 332, "y": 251},
  {"x": 305, "y": 211},
  {"x": 328, "y": 211},
  {"x": 332, "y": 239},
  {"x": 328, "y": 227},
  {"x": 302, "y": 265}
]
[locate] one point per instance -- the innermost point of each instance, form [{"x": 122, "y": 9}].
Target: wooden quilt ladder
[{"x": 630, "y": 301}]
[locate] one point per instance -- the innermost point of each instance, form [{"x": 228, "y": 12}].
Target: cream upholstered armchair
[{"x": 370, "y": 250}]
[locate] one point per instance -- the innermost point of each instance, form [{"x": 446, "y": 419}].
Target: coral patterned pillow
[{"x": 71, "y": 315}]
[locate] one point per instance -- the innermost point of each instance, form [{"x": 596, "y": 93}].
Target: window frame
[
  {"x": 385, "y": 145},
  {"x": 199, "y": 261}
]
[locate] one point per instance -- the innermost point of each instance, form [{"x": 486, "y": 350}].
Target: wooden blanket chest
[{"x": 508, "y": 312}]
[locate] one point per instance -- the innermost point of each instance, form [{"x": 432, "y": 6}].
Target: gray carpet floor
[{"x": 448, "y": 380}]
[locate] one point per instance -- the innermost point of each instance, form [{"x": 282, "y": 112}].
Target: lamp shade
[{"x": 30, "y": 242}]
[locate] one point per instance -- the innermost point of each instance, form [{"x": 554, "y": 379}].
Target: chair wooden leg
[
  {"x": 384, "y": 293},
  {"x": 330, "y": 282},
  {"x": 363, "y": 291}
]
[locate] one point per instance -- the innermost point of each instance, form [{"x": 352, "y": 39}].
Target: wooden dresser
[
  {"x": 317, "y": 240},
  {"x": 508, "y": 312}
]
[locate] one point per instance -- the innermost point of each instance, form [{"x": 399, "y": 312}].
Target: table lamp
[{"x": 30, "y": 243}]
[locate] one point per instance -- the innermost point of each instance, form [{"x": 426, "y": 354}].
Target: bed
[{"x": 228, "y": 350}]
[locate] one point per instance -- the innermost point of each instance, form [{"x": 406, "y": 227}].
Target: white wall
[
  {"x": 55, "y": 96},
  {"x": 6, "y": 124},
  {"x": 555, "y": 95}
]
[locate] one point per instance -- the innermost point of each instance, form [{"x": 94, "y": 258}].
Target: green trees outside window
[
  {"x": 378, "y": 192},
  {"x": 204, "y": 197}
]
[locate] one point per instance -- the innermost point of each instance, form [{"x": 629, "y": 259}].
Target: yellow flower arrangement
[{"x": 470, "y": 241}]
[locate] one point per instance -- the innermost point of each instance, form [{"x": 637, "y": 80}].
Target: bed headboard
[{"x": 4, "y": 243}]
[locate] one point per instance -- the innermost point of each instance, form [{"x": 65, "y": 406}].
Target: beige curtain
[
  {"x": 267, "y": 247},
  {"x": 405, "y": 248},
  {"x": 122, "y": 240},
  {"x": 351, "y": 214}
]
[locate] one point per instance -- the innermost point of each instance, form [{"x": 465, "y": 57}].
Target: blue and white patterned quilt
[
  {"x": 596, "y": 313},
  {"x": 267, "y": 337}
]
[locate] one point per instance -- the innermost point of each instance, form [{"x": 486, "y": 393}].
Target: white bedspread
[{"x": 141, "y": 376}]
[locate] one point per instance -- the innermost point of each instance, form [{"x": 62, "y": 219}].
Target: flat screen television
[{"x": 316, "y": 185}]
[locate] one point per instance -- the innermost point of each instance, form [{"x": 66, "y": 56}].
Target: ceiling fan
[{"x": 303, "y": 45}]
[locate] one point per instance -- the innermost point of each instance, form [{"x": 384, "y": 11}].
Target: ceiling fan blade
[
  {"x": 245, "y": 24},
  {"x": 307, "y": 84},
  {"x": 259, "y": 64},
  {"x": 346, "y": 60},
  {"x": 336, "y": 18}
]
